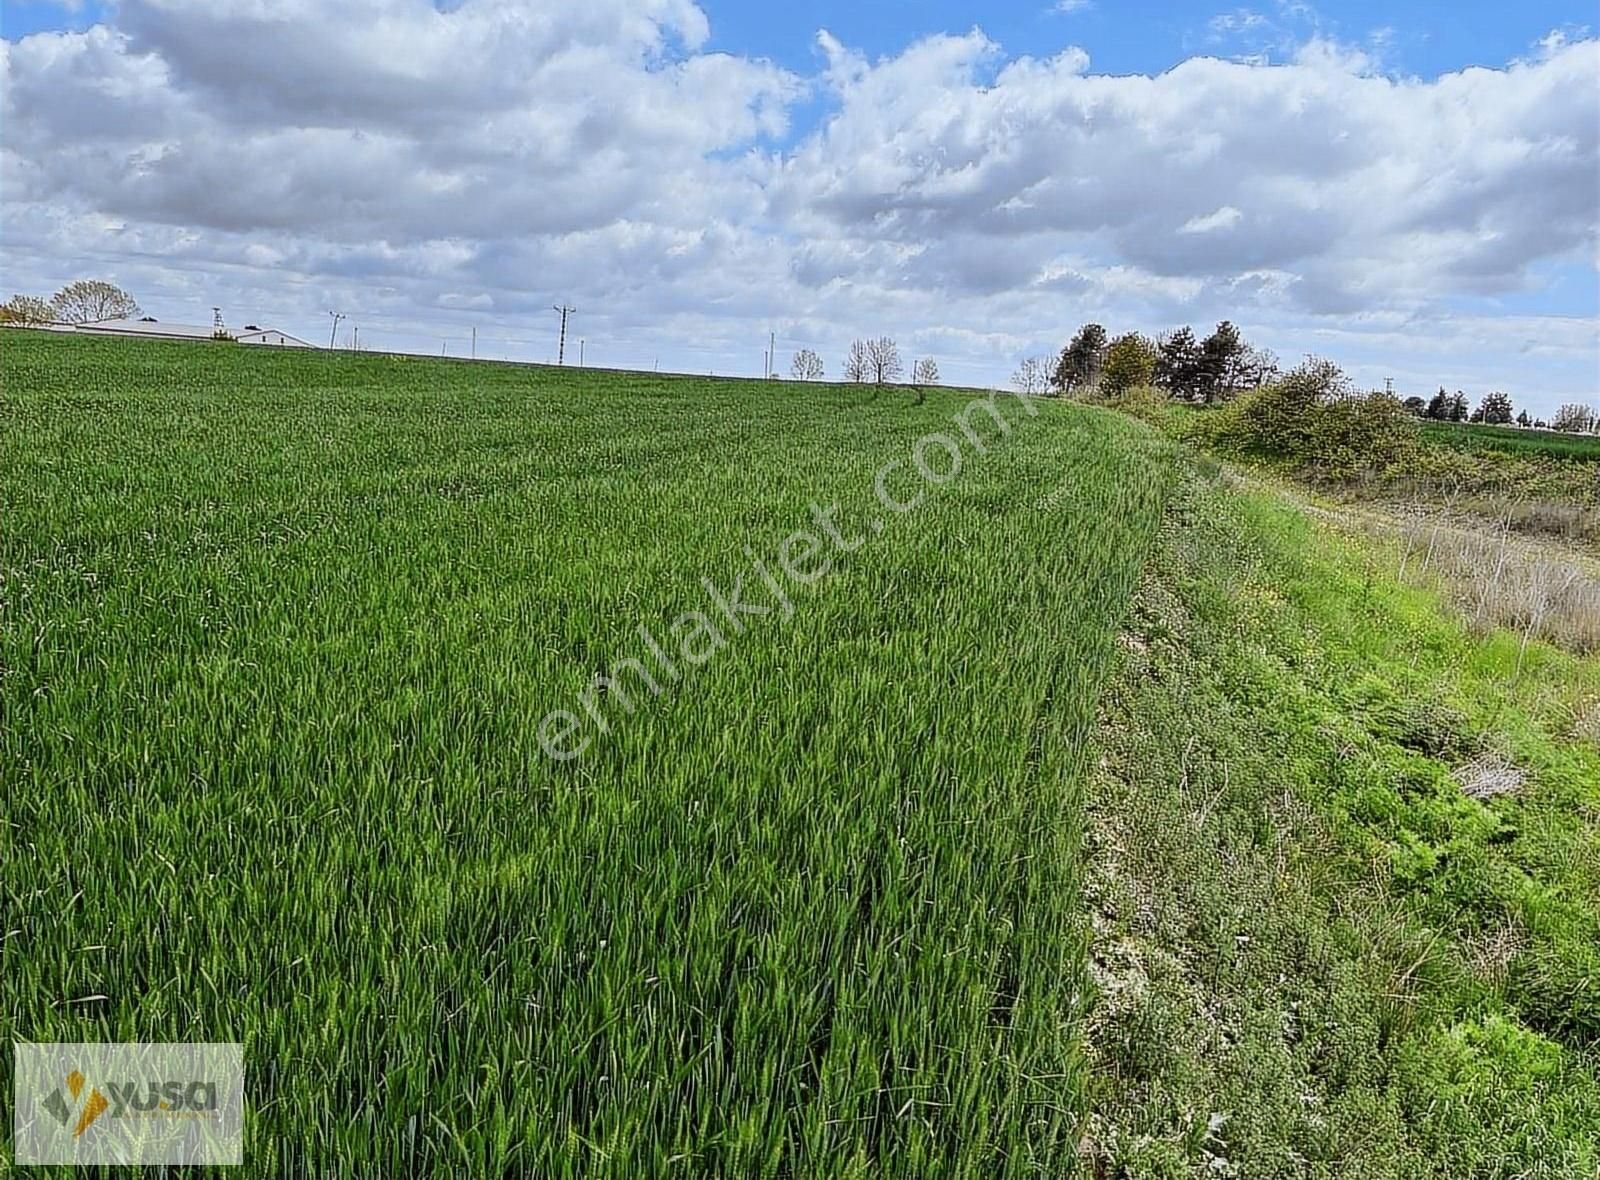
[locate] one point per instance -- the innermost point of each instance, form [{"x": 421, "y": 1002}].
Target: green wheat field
[
  {"x": 278, "y": 631},
  {"x": 1510, "y": 440}
]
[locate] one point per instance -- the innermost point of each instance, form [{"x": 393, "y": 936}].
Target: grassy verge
[
  {"x": 1344, "y": 872},
  {"x": 278, "y": 632},
  {"x": 1547, "y": 487}
]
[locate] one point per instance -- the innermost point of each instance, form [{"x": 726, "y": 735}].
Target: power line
[{"x": 561, "y": 348}]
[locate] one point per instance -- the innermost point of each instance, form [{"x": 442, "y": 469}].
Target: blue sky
[
  {"x": 1413, "y": 38},
  {"x": 1337, "y": 178},
  {"x": 1423, "y": 39}
]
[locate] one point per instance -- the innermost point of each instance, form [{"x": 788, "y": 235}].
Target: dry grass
[
  {"x": 1558, "y": 519},
  {"x": 1541, "y": 591},
  {"x": 1586, "y": 720},
  {"x": 1489, "y": 955},
  {"x": 1489, "y": 774},
  {"x": 1540, "y": 587}
]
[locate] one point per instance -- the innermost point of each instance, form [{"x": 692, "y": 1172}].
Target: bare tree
[
  {"x": 806, "y": 366},
  {"x": 1255, "y": 368},
  {"x": 925, "y": 372},
  {"x": 855, "y": 362},
  {"x": 87, "y": 301},
  {"x": 1032, "y": 375},
  {"x": 1574, "y": 417},
  {"x": 26, "y": 309},
  {"x": 883, "y": 360}
]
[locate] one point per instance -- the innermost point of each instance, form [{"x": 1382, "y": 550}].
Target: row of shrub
[
  {"x": 1308, "y": 418},
  {"x": 1311, "y": 418},
  {"x": 1311, "y": 422}
]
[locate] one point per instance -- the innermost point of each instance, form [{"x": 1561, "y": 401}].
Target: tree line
[
  {"x": 1496, "y": 410},
  {"x": 84, "y": 301},
  {"x": 874, "y": 361},
  {"x": 1224, "y": 365},
  {"x": 1178, "y": 363}
]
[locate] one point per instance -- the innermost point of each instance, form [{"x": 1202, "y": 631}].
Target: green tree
[
  {"x": 1080, "y": 360},
  {"x": 1178, "y": 365},
  {"x": 1458, "y": 407},
  {"x": 1496, "y": 409},
  {"x": 1439, "y": 407},
  {"x": 1130, "y": 362},
  {"x": 1221, "y": 358},
  {"x": 1311, "y": 418}
]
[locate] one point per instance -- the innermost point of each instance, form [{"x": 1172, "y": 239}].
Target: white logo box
[{"x": 128, "y": 1103}]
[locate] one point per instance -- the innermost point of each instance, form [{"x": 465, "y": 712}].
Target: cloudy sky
[{"x": 1411, "y": 189}]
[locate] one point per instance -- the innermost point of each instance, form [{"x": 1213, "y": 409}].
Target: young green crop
[
  {"x": 1511, "y": 440},
  {"x": 279, "y": 629}
]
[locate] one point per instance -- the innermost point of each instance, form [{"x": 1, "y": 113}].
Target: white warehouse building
[{"x": 155, "y": 329}]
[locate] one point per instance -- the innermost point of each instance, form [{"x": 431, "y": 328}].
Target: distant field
[
  {"x": 1465, "y": 436},
  {"x": 279, "y": 633}
]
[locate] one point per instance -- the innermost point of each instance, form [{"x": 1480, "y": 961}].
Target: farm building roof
[
  {"x": 148, "y": 328},
  {"x": 189, "y": 332}
]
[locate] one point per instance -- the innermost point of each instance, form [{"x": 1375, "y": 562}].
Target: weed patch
[{"x": 1342, "y": 873}]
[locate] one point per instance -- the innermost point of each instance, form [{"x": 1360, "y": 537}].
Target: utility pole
[
  {"x": 334, "y": 331},
  {"x": 772, "y": 355},
  {"x": 561, "y": 347},
  {"x": 580, "y": 352},
  {"x": 1388, "y": 386},
  {"x": 474, "y": 341},
  {"x": 355, "y": 338}
]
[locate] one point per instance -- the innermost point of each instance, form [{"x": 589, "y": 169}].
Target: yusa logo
[{"x": 155, "y": 1099}]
